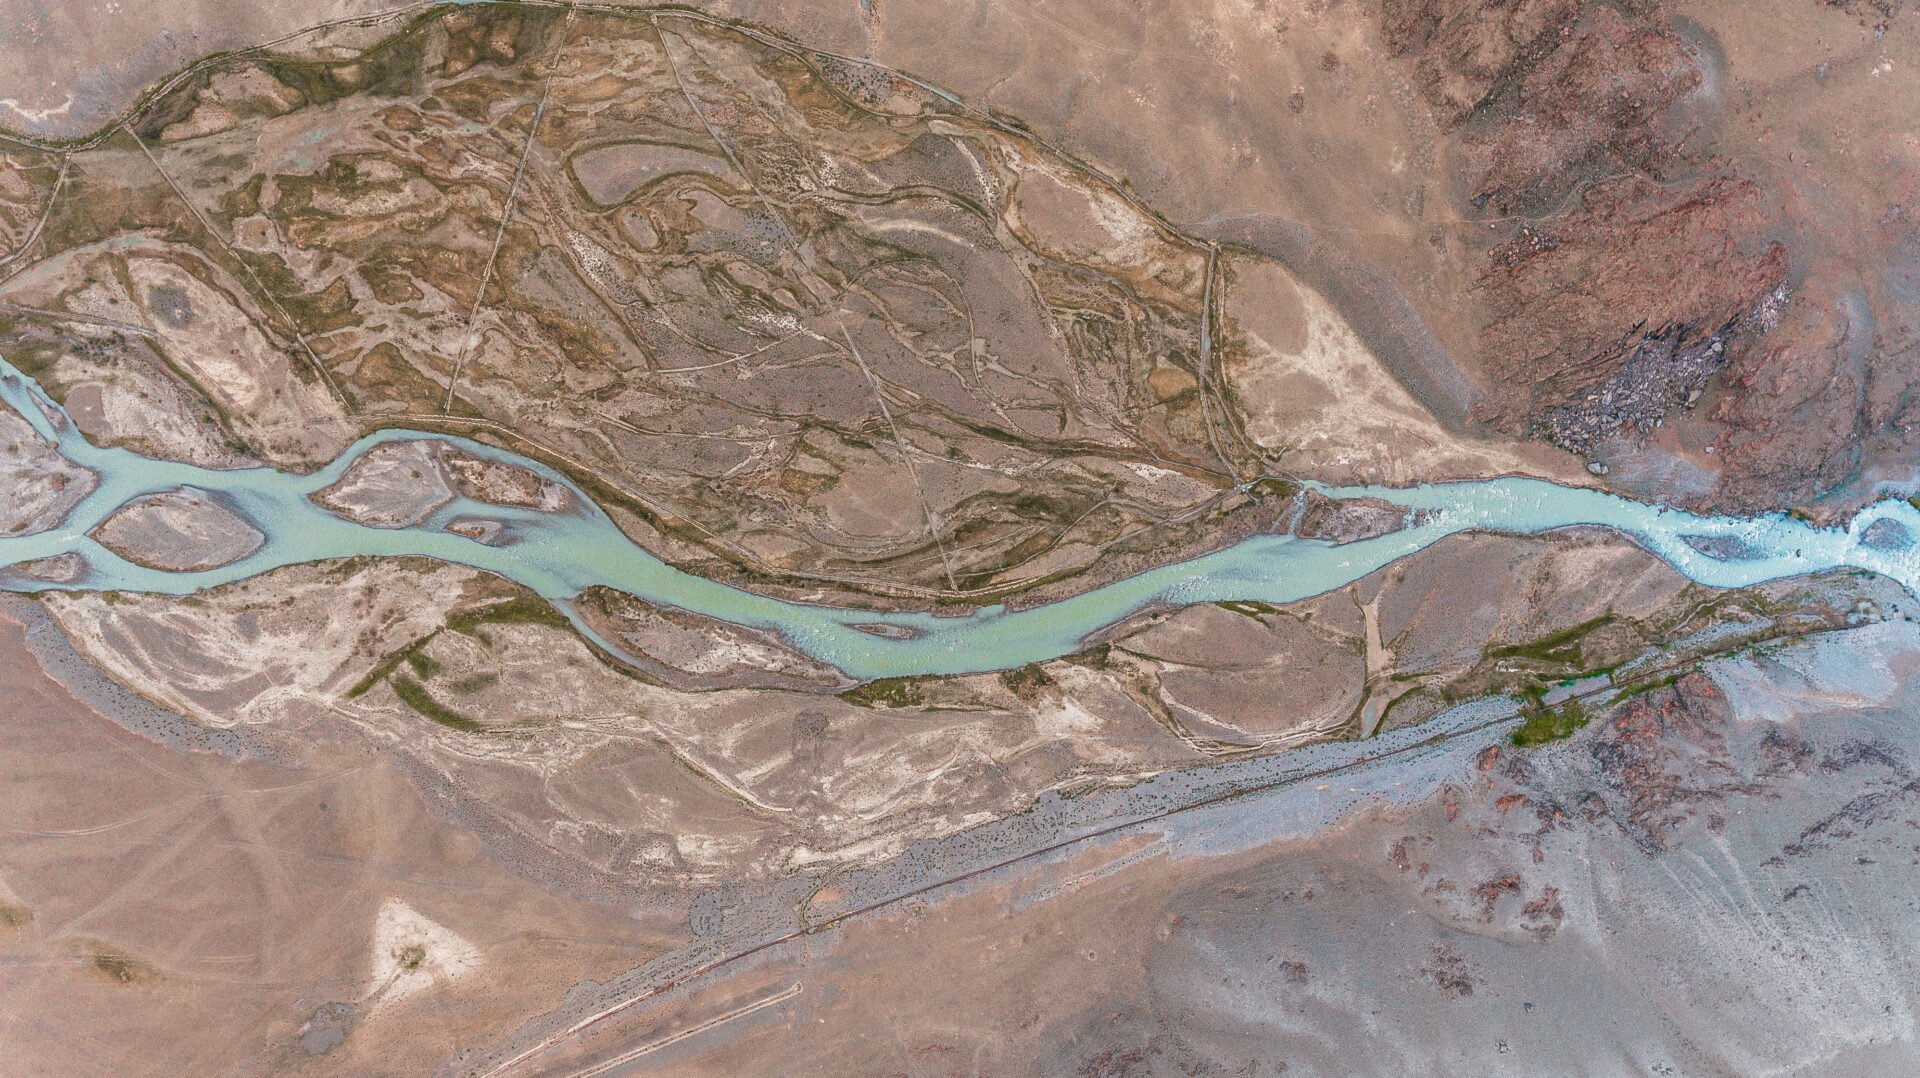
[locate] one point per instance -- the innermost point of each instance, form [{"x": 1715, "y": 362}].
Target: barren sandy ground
[
  {"x": 177, "y": 912},
  {"x": 1733, "y": 842},
  {"x": 1721, "y": 891}
]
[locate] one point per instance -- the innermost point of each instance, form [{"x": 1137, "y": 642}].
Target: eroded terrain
[
  {"x": 1775, "y": 776},
  {"x": 796, "y": 320},
  {"x": 932, "y": 307}
]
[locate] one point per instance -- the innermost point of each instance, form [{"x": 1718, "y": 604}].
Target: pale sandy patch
[
  {"x": 1311, "y": 389},
  {"x": 412, "y": 953}
]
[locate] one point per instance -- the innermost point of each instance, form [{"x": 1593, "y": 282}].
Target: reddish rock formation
[
  {"x": 1795, "y": 416},
  {"x": 1634, "y": 270},
  {"x": 1663, "y": 759},
  {"x": 1595, "y": 105},
  {"x": 1875, "y": 13},
  {"x": 1466, "y": 48},
  {"x": 1613, "y": 293}
]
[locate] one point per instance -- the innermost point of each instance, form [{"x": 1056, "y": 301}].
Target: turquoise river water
[{"x": 560, "y": 555}]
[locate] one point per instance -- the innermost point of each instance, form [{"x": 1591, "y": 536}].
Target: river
[{"x": 559, "y": 555}]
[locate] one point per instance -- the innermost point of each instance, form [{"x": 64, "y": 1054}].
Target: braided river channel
[{"x": 559, "y": 555}]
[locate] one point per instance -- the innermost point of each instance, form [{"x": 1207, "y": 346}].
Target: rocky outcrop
[
  {"x": 1596, "y": 105},
  {"x": 1633, "y": 277},
  {"x": 1796, "y": 424},
  {"x": 1624, "y": 305},
  {"x": 1878, "y": 14},
  {"x": 1464, "y": 49},
  {"x": 1660, "y": 760},
  {"x": 1351, "y": 520}
]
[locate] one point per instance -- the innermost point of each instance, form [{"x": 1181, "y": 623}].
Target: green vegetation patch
[
  {"x": 1652, "y": 684},
  {"x": 1256, "y": 611},
  {"x": 34, "y": 357},
  {"x": 416, "y": 697},
  {"x": 1027, "y": 682},
  {"x": 1545, "y": 724},
  {"x": 410, "y": 655},
  {"x": 521, "y": 610},
  {"x": 1560, "y": 647},
  {"x": 888, "y": 692},
  {"x": 1270, "y": 487}
]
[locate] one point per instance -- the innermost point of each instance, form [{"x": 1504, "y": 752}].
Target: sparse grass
[
  {"x": 374, "y": 677},
  {"x": 35, "y": 358},
  {"x": 410, "y": 956},
  {"x": 888, "y": 692},
  {"x": 392, "y": 663},
  {"x": 520, "y": 610},
  {"x": 473, "y": 683},
  {"x": 1256, "y": 611},
  {"x": 1270, "y": 487},
  {"x": 1560, "y": 647},
  {"x": 118, "y": 967},
  {"x": 1641, "y": 688},
  {"x": 1042, "y": 507},
  {"x": 1098, "y": 657},
  {"x": 1410, "y": 698},
  {"x": 416, "y": 697},
  {"x": 1027, "y": 682},
  {"x": 122, "y": 968},
  {"x": 523, "y": 609}
]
